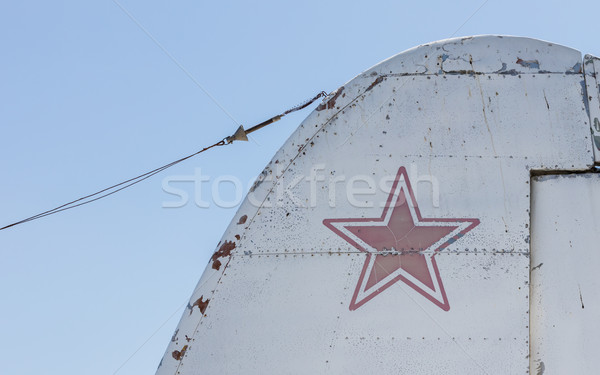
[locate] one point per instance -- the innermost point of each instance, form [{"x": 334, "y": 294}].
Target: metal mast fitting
[{"x": 242, "y": 135}]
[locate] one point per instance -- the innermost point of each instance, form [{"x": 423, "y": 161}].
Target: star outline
[{"x": 363, "y": 295}]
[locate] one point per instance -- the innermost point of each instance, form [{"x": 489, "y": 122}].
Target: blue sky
[{"x": 87, "y": 99}]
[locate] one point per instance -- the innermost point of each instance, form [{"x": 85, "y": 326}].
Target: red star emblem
[{"x": 400, "y": 246}]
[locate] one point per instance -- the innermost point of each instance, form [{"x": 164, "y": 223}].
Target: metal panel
[
  {"x": 304, "y": 325},
  {"x": 591, "y": 67},
  {"x": 306, "y": 279},
  {"x": 565, "y": 288}
]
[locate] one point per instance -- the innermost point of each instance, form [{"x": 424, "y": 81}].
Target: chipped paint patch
[
  {"x": 531, "y": 64},
  {"x": 377, "y": 81},
  {"x": 202, "y": 305},
  {"x": 504, "y": 70},
  {"x": 178, "y": 354},
  {"x": 261, "y": 178},
  {"x": 224, "y": 251},
  {"x": 330, "y": 104}
]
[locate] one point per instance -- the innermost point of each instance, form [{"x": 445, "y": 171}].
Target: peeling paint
[
  {"x": 178, "y": 355},
  {"x": 531, "y": 64},
  {"x": 224, "y": 251},
  {"x": 259, "y": 180},
  {"x": 330, "y": 104},
  {"x": 202, "y": 305},
  {"x": 377, "y": 81},
  {"x": 504, "y": 70}
]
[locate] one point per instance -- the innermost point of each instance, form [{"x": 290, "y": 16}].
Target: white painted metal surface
[
  {"x": 565, "y": 288},
  {"x": 591, "y": 66},
  {"x": 390, "y": 233}
]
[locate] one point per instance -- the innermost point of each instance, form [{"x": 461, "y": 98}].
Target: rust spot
[
  {"x": 188, "y": 339},
  {"x": 237, "y": 237},
  {"x": 377, "y": 81},
  {"x": 243, "y": 219},
  {"x": 202, "y": 305},
  {"x": 224, "y": 251},
  {"x": 178, "y": 355},
  {"x": 331, "y": 102}
]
